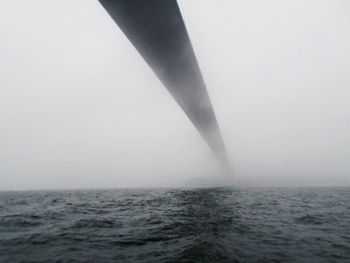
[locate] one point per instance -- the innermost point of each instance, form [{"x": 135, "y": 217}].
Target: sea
[{"x": 232, "y": 224}]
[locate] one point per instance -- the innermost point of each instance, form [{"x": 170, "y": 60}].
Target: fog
[{"x": 79, "y": 108}]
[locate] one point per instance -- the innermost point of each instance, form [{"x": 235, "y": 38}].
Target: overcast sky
[{"x": 80, "y": 108}]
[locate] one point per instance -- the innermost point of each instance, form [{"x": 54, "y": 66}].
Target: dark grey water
[{"x": 176, "y": 225}]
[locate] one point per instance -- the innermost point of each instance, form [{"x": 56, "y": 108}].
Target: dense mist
[{"x": 79, "y": 107}]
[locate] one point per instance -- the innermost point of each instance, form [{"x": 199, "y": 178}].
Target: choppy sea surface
[{"x": 176, "y": 225}]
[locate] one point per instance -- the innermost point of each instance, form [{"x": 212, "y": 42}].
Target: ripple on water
[{"x": 176, "y": 225}]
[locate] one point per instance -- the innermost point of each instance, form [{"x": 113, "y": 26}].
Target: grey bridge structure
[{"x": 157, "y": 31}]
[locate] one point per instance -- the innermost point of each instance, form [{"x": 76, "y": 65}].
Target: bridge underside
[{"x": 157, "y": 31}]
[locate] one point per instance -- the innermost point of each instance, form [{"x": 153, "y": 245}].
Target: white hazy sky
[{"x": 80, "y": 108}]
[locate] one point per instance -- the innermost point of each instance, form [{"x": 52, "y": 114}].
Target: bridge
[{"x": 157, "y": 31}]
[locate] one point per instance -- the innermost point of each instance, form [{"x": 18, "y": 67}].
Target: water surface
[{"x": 176, "y": 225}]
